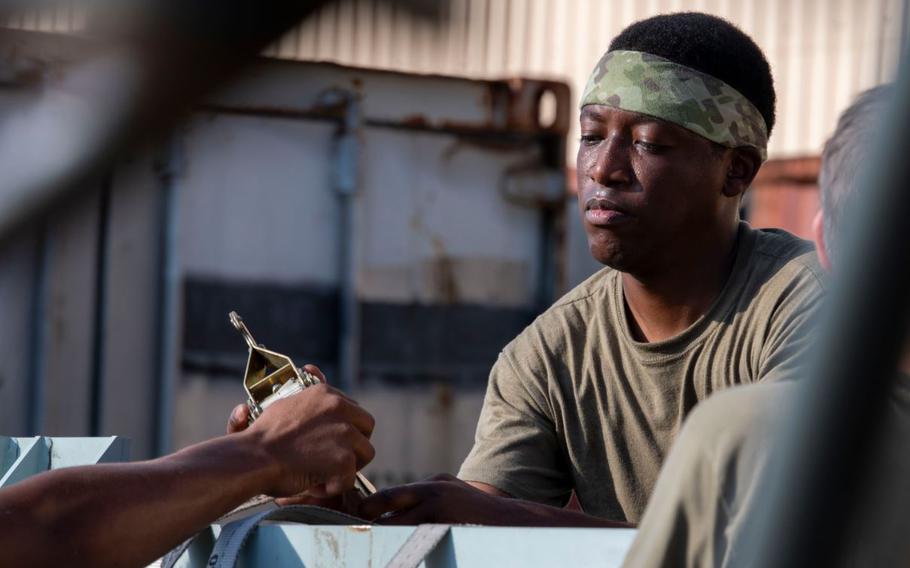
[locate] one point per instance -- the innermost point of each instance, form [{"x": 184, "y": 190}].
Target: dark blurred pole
[
  {"x": 37, "y": 332},
  {"x": 168, "y": 168},
  {"x": 99, "y": 316},
  {"x": 154, "y": 59},
  {"x": 836, "y": 417},
  {"x": 346, "y": 182}
]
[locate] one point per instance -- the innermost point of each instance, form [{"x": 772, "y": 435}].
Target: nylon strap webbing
[{"x": 234, "y": 535}]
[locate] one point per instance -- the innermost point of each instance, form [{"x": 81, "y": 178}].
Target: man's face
[{"x": 646, "y": 187}]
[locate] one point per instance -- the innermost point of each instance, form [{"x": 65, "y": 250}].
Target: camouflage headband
[{"x": 648, "y": 84}]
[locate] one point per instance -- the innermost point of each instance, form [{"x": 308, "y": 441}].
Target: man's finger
[
  {"x": 418, "y": 515},
  {"x": 361, "y": 419},
  {"x": 391, "y": 500},
  {"x": 314, "y": 370},
  {"x": 332, "y": 390},
  {"x": 339, "y": 484},
  {"x": 239, "y": 419},
  {"x": 307, "y": 499},
  {"x": 364, "y": 452}
]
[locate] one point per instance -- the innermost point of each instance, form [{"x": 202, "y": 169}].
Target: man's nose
[{"x": 610, "y": 164}]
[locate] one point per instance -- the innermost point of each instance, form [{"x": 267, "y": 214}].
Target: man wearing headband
[{"x": 674, "y": 121}]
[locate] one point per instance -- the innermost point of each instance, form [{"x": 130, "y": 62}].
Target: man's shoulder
[
  {"x": 786, "y": 254},
  {"x": 568, "y": 317},
  {"x": 783, "y": 272},
  {"x": 587, "y": 291}
]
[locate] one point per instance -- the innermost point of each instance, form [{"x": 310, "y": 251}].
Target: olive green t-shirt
[{"x": 574, "y": 402}]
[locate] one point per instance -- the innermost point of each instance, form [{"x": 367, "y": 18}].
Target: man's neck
[{"x": 668, "y": 300}]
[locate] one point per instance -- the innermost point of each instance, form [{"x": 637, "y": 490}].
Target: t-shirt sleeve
[
  {"x": 791, "y": 332},
  {"x": 516, "y": 448}
]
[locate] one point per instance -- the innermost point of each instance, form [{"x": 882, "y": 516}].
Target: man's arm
[
  {"x": 446, "y": 499},
  {"x": 516, "y": 447},
  {"x": 130, "y": 514},
  {"x": 488, "y": 489},
  {"x": 515, "y": 454}
]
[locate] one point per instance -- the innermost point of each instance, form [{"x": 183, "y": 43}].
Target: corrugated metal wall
[{"x": 822, "y": 52}]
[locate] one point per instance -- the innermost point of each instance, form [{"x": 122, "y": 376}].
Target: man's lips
[{"x": 604, "y": 213}]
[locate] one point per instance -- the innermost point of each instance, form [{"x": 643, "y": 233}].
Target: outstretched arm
[
  {"x": 446, "y": 499},
  {"x": 130, "y": 514}
]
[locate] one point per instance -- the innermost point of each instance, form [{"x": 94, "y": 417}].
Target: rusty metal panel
[
  {"x": 785, "y": 195},
  {"x": 455, "y": 189},
  {"x": 451, "y": 187},
  {"x": 297, "y": 91},
  {"x": 439, "y": 228},
  {"x": 255, "y": 200}
]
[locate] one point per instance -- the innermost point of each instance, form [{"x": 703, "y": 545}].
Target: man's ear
[
  {"x": 818, "y": 235},
  {"x": 743, "y": 167}
]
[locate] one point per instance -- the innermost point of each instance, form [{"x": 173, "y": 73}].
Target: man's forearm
[
  {"x": 534, "y": 514},
  {"x": 128, "y": 514},
  {"x": 446, "y": 499},
  {"x": 530, "y": 514}
]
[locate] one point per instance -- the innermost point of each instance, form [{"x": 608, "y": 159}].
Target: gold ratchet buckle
[{"x": 271, "y": 376}]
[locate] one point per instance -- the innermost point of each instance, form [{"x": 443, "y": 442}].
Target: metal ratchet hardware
[{"x": 272, "y": 376}]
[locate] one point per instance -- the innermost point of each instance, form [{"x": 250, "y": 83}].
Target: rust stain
[
  {"x": 328, "y": 541},
  {"x": 794, "y": 171},
  {"x": 444, "y": 272},
  {"x": 335, "y": 111},
  {"x": 360, "y": 528},
  {"x": 415, "y": 121},
  {"x": 445, "y": 397}
]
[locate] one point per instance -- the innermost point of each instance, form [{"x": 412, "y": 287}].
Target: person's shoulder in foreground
[{"x": 714, "y": 469}]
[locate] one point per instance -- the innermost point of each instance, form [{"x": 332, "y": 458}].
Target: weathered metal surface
[
  {"x": 454, "y": 186},
  {"x": 281, "y": 89},
  {"x": 362, "y": 546}
]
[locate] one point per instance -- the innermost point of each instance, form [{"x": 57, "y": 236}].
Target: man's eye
[
  {"x": 650, "y": 146},
  {"x": 590, "y": 139}
]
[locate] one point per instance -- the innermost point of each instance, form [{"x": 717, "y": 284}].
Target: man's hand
[
  {"x": 240, "y": 415},
  {"x": 440, "y": 499},
  {"x": 447, "y": 499},
  {"x": 346, "y": 502},
  {"x": 315, "y": 441}
]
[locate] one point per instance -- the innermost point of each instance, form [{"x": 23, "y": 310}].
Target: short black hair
[{"x": 708, "y": 44}]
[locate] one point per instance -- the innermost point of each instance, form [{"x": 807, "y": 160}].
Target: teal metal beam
[{"x": 24, "y": 457}]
